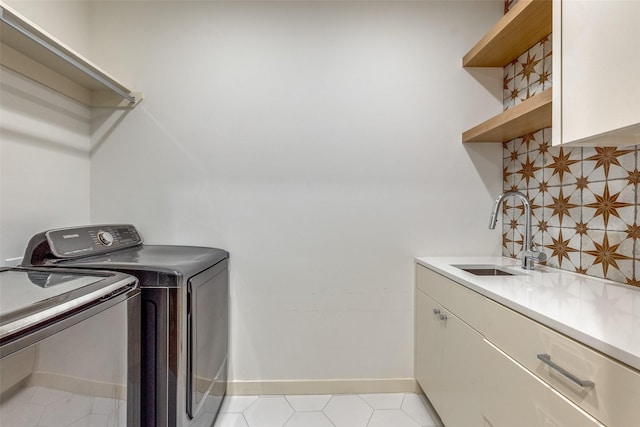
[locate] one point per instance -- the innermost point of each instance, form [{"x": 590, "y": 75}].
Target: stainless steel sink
[{"x": 487, "y": 270}]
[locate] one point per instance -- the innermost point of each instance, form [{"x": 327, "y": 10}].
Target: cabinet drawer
[
  {"x": 515, "y": 397},
  {"x": 463, "y": 302},
  {"x": 613, "y": 399}
]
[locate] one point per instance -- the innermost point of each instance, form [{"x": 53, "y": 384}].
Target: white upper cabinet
[{"x": 596, "y": 54}]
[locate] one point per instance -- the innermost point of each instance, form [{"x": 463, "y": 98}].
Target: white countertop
[{"x": 599, "y": 313}]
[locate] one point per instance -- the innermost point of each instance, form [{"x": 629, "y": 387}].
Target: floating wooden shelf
[
  {"x": 529, "y": 116},
  {"x": 528, "y": 22},
  {"x": 34, "y": 53}
]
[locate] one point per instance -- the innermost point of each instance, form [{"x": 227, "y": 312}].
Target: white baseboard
[
  {"x": 78, "y": 385},
  {"x": 352, "y": 386}
]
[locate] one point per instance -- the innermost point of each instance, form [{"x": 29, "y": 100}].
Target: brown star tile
[
  {"x": 507, "y": 241},
  {"x": 533, "y": 68},
  {"x": 603, "y": 163},
  {"x": 513, "y": 213},
  {"x": 520, "y": 85},
  {"x": 542, "y": 225},
  {"x": 509, "y": 166},
  {"x": 507, "y": 148},
  {"x": 532, "y": 141},
  {"x": 518, "y": 241},
  {"x": 544, "y": 78},
  {"x": 581, "y": 270},
  {"x": 562, "y": 206},
  {"x": 562, "y": 247},
  {"x": 604, "y": 254},
  {"x": 515, "y": 97},
  {"x": 581, "y": 228},
  {"x": 545, "y": 144},
  {"x": 508, "y": 85},
  {"x": 609, "y": 205},
  {"x": 530, "y": 64},
  {"x": 536, "y": 198},
  {"x": 633, "y": 231},
  {"x": 582, "y": 182},
  {"x": 562, "y": 165},
  {"x": 529, "y": 171},
  {"x": 634, "y": 177},
  {"x": 547, "y": 137},
  {"x": 515, "y": 148},
  {"x": 633, "y": 282},
  {"x": 506, "y": 176},
  {"x": 543, "y": 186},
  {"x": 537, "y": 238}
]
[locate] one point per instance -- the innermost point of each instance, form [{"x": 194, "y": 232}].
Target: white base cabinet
[
  {"x": 480, "y": 366},
  {"x": 451, "y": 370},
  {"x": 614, "y": 397},
  {"x": 515, "y": 397}
]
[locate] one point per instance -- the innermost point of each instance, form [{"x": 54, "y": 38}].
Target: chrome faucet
[{"x": 529, "y": 254}]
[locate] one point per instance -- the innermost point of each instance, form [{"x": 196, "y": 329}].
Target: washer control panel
[
  {"x": 92, "y": 240},
  {"x": 105, "y": 238}
]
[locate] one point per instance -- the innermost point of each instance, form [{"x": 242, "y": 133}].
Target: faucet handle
[
  {"x": 529, "y": 257},
  {"x": 542, "y": 257},
  {"x": 538, "y": 254}
]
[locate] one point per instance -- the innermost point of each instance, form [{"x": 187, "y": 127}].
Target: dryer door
[{"x": 207, "y": 338}]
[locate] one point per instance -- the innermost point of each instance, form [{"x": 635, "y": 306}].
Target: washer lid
[
  {"x": 155, "y": 265},
  {"x": 32, "y": 296}
]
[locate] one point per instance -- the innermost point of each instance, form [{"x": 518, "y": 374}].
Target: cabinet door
[
  {"x": 514, "y": 397},
  {"x": 428, "y": 344},
  {"x": 448, "y": 363},
  {"x": 597, "y": 47},
  {"x": 461, "y": 374}
]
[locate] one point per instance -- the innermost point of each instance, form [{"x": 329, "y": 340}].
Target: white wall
[
  {"x": 44, "y": 142},
  {"x": 319, "y": 142},
  {"x": 66, "y": 20}
]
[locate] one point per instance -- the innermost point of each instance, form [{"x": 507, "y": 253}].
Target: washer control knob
[{"x": 105, "y": 238}]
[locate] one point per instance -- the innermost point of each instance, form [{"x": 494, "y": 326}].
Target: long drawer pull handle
[{"x": 545, "y": 358}]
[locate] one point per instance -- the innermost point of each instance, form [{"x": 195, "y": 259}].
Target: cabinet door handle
[
  {"x": 436, "y": 311},
  {"x": 546, "y": 359},
  {"x": 443, "y": 317}
]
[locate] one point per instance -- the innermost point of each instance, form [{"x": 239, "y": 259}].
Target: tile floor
[
  {"x": 353, "y": 410},
  {"x": 42, "y": 406}
]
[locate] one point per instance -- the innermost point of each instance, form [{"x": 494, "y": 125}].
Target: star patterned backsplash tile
[{"x": 585, "y": 203}]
